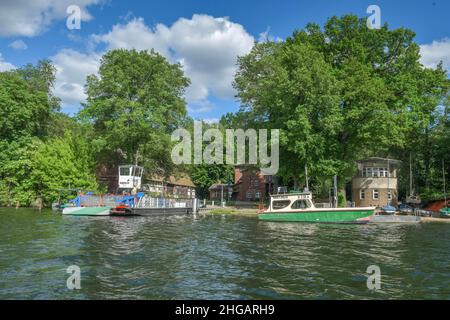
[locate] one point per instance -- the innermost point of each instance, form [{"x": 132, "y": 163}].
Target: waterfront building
[
  {"x": 376, "y": 182},
  {"x": 174, "y": 187},
  {"x": 251, "y": 185},
  {"x": 215, "y": 191},
  {"x": 180, "y": 186}
]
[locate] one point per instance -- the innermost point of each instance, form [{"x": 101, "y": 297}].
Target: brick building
[
  {"x": 376, "y": 182},
  {"x": 217, "y": 190},
  {"x": 251, "y": 185}
]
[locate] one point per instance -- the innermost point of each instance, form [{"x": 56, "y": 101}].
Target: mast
[
  {"x": 443, "y": 178},
  {"x": 335, "y": 195},
  {"x": 306, "y": 177},
  {"x": 410, "y": 175},
  {"x": 389, "y": 176}
]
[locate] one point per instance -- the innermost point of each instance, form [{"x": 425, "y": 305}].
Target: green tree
[
  {"x": 339, "y": 94},
  {"x": 60, "y": 163},
  {"x": 26, "y": 102},
  {"x": 134, "y": 104}
]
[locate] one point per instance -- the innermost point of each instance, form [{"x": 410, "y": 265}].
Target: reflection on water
[{"x": 217, "y": 257}]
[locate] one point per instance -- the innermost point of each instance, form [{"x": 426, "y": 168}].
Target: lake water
[{"x": 217, "y": 257}]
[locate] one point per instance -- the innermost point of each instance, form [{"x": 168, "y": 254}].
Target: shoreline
[{"x": 254, "y": 212}]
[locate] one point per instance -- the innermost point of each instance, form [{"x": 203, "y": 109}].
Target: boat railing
[
  {"x": 150, "y": 202},
  {"x": 89, "y": 200}
]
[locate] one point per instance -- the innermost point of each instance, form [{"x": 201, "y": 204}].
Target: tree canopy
[
  {"x": 134, "y": 104},
  {"x": 339, "y": 94}
]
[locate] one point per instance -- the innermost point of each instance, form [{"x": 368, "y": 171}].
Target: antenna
[
  {"x": 443, "y": 177},
  {"x": 410, "y": 175},
  {"x": 306, "y": 176}
]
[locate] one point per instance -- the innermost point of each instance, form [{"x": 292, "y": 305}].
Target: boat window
[
  {"x": 280, "y": 204},
  {"x": 125, "y": 171},
  {"x": 136, "y": 172},
  {"x": 300, "y": 204}
]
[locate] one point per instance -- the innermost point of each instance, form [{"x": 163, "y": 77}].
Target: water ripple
[{"x": 217, "y": 258}]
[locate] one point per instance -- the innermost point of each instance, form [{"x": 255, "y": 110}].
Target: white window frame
[
  {"x": 249, "y": 195},
  {"x": 377, "y": 192},
  {"x": 375, "y": 172},
  {"x": 362, "y": 194}
]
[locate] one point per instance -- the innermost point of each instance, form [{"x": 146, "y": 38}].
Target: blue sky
[{"x": 205, "y": 36}]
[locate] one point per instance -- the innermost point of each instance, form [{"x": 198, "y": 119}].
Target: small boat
[
  {"x": 388, "y": 209},
  {"x": 299, "y": 207},
  {"x": 405, "y": 209},
  {"x": 445, "y": 212},
  {"x": 86, "y": 211},
  {"x": 147, "y": 206}
]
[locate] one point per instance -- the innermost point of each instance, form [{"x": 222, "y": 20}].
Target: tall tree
[
  {"x": 339, "y": 94},
  {"x": 134, "y": 104}
]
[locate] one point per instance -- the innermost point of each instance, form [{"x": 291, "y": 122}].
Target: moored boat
[
  {"x": 445, "y": 212},
  {"x": 86, "y": 211},
  {"x": 388, "y": 209},
  {"x": 299, "y": 207}
]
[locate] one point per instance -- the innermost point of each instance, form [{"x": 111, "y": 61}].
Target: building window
[
  {"x": 362, "y": 194},
  {"x": 375, "y": 172},
  {"x": 389, "y": 194},
  {"x": 376, "y": 194},
  {"x": 257, "y": 195},
  {"x": 249, "y": 195}
]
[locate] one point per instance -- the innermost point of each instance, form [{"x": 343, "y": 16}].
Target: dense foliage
[
  {"x": 134, "y": 104},
  {"x": 343, "y": 93},
  {"x": 338, "y": 93},
  {"x": 40, "y": 152}
]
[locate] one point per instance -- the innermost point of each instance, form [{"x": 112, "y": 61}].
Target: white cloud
[
  {"x": 4, "y": 65},
  {"x": 72, "y": 68},
  {"x": 18, "y": 45},
  {"x": 267, "y": 37},
  {"x": 207, "y": 48},
  {"x": 211, "y": 120},
  {"x": 30, "y": 18},
  {"x": 201, "y": 106},
  {"x": 436, "y": 52},
  {"x": 136, "y": 35}
]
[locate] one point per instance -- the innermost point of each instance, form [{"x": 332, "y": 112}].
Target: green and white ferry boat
[{"x": 299, "y": 207}]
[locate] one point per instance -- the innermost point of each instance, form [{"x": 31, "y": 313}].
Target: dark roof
[
  {"x": 183, "y": 180},
  {"x": 378, "y": 159}
]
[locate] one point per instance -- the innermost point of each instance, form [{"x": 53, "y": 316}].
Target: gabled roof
[{"x": 183, "y": 180}]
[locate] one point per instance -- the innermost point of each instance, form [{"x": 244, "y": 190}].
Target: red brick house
[{"x": 251, "y": 185}]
